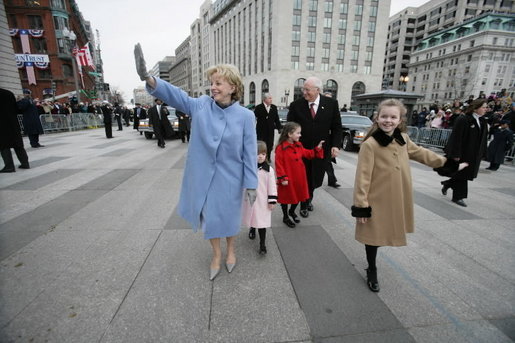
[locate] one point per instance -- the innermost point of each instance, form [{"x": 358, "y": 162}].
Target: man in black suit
[
  {"x": 158, "y": 118},
  {"x": 139, "y": 113},
  {"x": 118, "y": 114},
  {"x": 319, "y": 118},
  {"x": 107, "y": 112},
  {"x": 267, "y": 121}
]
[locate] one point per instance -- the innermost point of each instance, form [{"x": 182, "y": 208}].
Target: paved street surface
[{"x": 92, "y": 250}]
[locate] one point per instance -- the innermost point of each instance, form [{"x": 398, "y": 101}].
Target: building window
[
  {"x": 58, "y": 4},
  {"x": 354, "y": 68},
  {"x": 310, "y": 52},
  {"x": 35, "y": 22},
  {"x": 328, "y": 6},
  {"x": 296, "y": 20},
  {"x": 312, "y": 21},
  {"x": 295, "y": 65},
  {"x": 297, "y": 4},
  {"x": 60, "y": 23},
  {"x": 67, "y": 71},
  {"x": 295, "y": 36},
  {"x": 494, "y": 41},
  {"x": 331, "y": 86},
  {"x": 295, "y": 51},
  {"x": 355, "y": 55},
  {"x": 339, "y": 67},
  {"x": 344, "y": 8},
  {"x": 311, "y": 36},
  {"x": 355, "y": 40},
  {"x": 324, "y": 67},
  {"x": 340, "y": 54},
  {"x": 373, "y": 11},
  {"x": 368, "y": 56},
  {"x": 264, "y": 88},
  {"x": 469, "y": 58},
  {"x": 310, "y": 66},
  {"x": 342, "y": 24},
  {"x": 297, "y": 88},
  {"x": 44, "y": 73},
  {"x": 370, "y": 41},
  {"x": 367, "y": 69},
  {"x": 357, "y": 25},
  {"x": 326, "y": 52},
  {"x": 326, "y": 37},
  {"x": 359, "y": 9},
  {"x": 313, "y": 4},
  {"x": 328, "y": 23},
  {"x": 40, "y": 45},
  {"x": 371, "y": 26},
  {"x": 341, "y": 39}
]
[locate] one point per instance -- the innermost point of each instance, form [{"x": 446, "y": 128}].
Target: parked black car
[
  {"x": 355, "y": 127},
  {"x": 148, "y": 130}
]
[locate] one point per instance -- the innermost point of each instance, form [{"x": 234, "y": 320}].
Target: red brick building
[{"x": 51, "y": 16}]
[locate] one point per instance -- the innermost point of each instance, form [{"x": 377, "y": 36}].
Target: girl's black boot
[{"x": 372, "y": 282}]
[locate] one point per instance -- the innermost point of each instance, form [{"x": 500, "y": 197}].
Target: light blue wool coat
[{"x": 221, "y": 161}]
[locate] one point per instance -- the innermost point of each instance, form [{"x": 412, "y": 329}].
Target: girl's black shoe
[
  {"x": 294, "y": 217},
  {"x": 252, "y": 233},
  {"x": 262, "y": 250},
  {"x": 372, "y": 282},
  {"x": 288, "y": 222}
]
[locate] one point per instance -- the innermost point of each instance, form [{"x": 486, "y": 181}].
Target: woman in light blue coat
[{"x": 221, "y": 161}]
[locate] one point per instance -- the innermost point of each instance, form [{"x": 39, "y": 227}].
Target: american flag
[{"x": 84, "y": 56}]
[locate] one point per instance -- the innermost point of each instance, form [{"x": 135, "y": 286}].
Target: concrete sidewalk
[{"x": 93, "y": 250}]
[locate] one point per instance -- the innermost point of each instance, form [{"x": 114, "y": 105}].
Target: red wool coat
[{"x": 290, "y": 166}]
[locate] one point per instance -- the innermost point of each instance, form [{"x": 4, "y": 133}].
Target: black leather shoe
[
  {"x": 294, "y": 217},
  {"x": 444, "y": 190},
  {"x": 252, "y": 233},
  {"x": 24, "y": 166},
  {"x": 6, "y": 170},
  {"x": 262, "y": 250},
  {"x": 310, "y": 207},
  {"x": 40, "y": 146},
  {"x": 372, "y": 282},
  {"x": 460, "y": 202},
  {"x": 304, "y": 213},
  {"x": 334, "y": 185},
  {"x": 288, "y": 222}
]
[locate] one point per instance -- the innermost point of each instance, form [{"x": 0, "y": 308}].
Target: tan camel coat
[{"x": 383, "y": 182}]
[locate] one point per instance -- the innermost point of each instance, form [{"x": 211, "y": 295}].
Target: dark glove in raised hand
[{"x": 141, "y": 66}]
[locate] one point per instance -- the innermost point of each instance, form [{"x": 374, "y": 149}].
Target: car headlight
[{"x": 359, "y": 134}]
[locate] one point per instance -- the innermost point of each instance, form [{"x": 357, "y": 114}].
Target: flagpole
[{"x": 70, "y": 37}]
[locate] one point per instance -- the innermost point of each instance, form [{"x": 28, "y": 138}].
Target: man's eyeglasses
[{"x": 308, "y": 89}]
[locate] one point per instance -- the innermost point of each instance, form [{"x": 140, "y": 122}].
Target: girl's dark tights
[
  {"x": 262, "y": 236},
  {"x": 371, "y": 251},
  {"x": 284, "y": 207}
]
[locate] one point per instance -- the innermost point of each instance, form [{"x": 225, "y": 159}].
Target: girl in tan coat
[{"x": 383, "y": 196}]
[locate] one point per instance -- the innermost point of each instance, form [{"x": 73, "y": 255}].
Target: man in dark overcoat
[
  {"x": 467, "y": 143},
  {"x": 319, "y": 118},
  {"x": 139, "y": 113},
  {"x": 158, "y": 118},
  {"x": 118, "y": 114},
  {"x": 267, "y": 120},
  {"x": 107, "y": 112},
  {"x": 184, "y": 125},
  {"x": 31, "y": 124},
  {"x": 10, "y": 133},
  {"x": 502, "y": 142}
]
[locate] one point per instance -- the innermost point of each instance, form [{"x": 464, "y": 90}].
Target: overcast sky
[{"x": 159, "y": 25}]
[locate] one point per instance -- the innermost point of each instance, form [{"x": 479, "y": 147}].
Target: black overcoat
[
  {"x": 10, "y": 132},
  {"x": 108, "y": 114},
  {"x": 164, "y": 126},
  {"x": 326, "y": 126},
  {"x": 266, "y": 123},
  {"x": 503, "y": 140},
  {"x": 468, "y": 143},
  {"x": 184, "y": 121},
  {"x": 31, "y": 123}
]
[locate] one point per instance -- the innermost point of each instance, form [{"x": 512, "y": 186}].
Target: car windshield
[{"x": 356, "y": 120}]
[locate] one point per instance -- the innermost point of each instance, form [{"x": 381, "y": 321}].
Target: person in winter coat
[
  {"x": 383, "y": 195},
  {"x": 31, "y": 124},
  {"x": 502, "y": 142},
  {"x": 107, "y": 113},
  {"x": 10, "y": 134},
  {"x": 291, "y": 173},
  {"x": 221, "y": 160},
  {"x": 267, "y": 120},
  {"x": 184, "y": 126},
  {"x": 467, "y": 143},
  {"x": 259, "y": 215},
  {"x": 320, "y": 120},
  {"x": 158, "y": 118}
]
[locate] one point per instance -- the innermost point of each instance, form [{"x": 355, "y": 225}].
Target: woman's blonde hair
[
  {"x": 288, "y": 128},
  {"x": 389, "y": 103},
  {"x": 231, "y": 74}
]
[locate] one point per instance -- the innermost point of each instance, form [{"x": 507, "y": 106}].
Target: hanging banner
[
  {"x": 27, "y": 59},
  {"x": 31, "y": 58}
]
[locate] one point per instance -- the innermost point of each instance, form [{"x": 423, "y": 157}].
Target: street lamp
[
  {"x": 404, "y": 81},
  {"x": 70, "y": 38},
  {"x": 286, "y": 94}
]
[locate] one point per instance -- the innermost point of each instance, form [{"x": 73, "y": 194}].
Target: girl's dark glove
[{"x": 449, "y": 168}]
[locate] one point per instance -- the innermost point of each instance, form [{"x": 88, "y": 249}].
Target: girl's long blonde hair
[
  {"x": 389, "y": 103},
  {"x": 288, "y": 128}
]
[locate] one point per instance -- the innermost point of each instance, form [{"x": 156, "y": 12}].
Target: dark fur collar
[
  {"x": 383, "y": 139},
  {"x": 265, "y": 166}
]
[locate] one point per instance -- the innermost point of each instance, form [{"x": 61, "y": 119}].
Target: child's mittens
[{"x": 361, "y": 212}]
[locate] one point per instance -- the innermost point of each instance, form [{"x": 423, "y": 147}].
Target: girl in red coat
[{"x": 291, "y": 173}]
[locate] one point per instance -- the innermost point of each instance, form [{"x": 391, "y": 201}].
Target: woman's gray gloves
[
  {"x": 141, "y": 66},
  {"x": 251, "y": 195}
]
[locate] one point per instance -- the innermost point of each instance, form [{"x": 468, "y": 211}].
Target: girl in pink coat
[{"x": 259, "y": 215}]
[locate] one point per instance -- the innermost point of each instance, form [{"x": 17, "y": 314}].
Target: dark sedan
[{"x": 355, "y": 127}]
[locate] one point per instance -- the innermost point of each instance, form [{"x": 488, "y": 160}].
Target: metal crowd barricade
[{"x": 64, "y": 122}]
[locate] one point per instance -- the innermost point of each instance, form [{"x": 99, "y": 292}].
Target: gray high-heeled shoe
[
  {"x": 230, "y": 266},
  {"x": 214, "y": 273}
]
